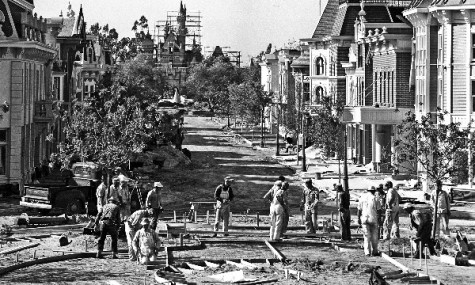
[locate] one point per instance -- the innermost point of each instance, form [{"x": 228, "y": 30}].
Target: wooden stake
[
  {"x": 181, "y": 239},
  {"x": 420, "y": 255},
  {"x": 207, "y": 217},
  {"x": 425, "y": 257},
  {"x": 230, "y": 218},
  {"x": 257, "y": 219},
  {"x": 85, "y": 244},
  {"x": 195, "y": 216},
  {"x": 184, "y": 222},
  {"x": 174, "y": 216},
  {"x": 17, "y": 257}
]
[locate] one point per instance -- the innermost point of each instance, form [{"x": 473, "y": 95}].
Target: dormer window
[{"x": 319, "y": 66}]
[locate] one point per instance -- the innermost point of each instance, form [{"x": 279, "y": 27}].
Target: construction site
[{"x": 55, "y": 250}]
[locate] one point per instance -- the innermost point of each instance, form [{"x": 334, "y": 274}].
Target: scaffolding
[
  {"x": 192, "y": 25},
  {"x": 233, "y": 55}
]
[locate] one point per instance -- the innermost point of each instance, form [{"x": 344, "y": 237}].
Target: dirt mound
[{"x": 164, "y": 157}]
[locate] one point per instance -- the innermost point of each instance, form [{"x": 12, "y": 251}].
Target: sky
[{"x": 243, "y": 25}]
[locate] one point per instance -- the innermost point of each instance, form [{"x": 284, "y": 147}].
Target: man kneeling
[{"x": 146, "y": 243}]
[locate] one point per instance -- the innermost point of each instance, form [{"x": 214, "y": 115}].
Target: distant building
[{"x": 25, "y": 91}]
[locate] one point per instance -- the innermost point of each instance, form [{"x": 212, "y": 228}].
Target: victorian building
[
  {"x": 25, "y": 90},
  {"x": 444, "y": 60},
  {"x": 359, "y": 54},
  {"x": 378, "y": 93}
]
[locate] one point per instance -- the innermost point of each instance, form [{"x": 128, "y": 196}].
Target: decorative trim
[{"x": 24, "y": 4}]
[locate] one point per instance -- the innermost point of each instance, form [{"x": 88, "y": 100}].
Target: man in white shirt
[
  {"x": 391, "y": 221},
  {"x": 368, "y": 207},
  {"x": 276, "y": 213}
]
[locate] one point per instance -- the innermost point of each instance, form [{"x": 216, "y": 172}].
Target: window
[
  {"x": 319, "y": 66},
  {"x": 317, "y": 99},
  {"x": 89, "y": 55},
  {"x": 473, "y": 47},
  {"x": 3, "y": 152}
]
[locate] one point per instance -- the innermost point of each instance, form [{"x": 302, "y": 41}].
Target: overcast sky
[{"x": 244, "y": 25}]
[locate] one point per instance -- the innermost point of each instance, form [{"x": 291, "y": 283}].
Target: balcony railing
[{"x": 392, "y": 3}]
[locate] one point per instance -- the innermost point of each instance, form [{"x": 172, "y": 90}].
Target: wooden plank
[
  {"x": 275, "y": 251},
  {"x": 248, "y": 264},
  {"x": 211, "y": 264},
  {"x": 274, "y": 280},
  {"x": 46, "y": 260},
  {"x": 394, "y": 262},
  {"x": 19, "y": 248}
]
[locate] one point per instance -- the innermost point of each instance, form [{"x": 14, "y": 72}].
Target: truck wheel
[{"x": 75, "y": 207}]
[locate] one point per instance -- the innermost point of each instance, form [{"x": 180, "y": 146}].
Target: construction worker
[
  {"x": 368, "y": 207},
  {"x": 344, "y": 209},
  {"x": 391, "y": 221},
  {"x": 154, "y": 202},
  {"x": 285, "y": 196},
  {"x": 421, "y": 220},
  {"x": 125, "y": 194},
  {"x": 443, "y": 211},
  {"x": 114, "y": 190},
  {"x": 223, "y": 195},
  {"x": 101, "y": 193},
  {"x": 108, "y": 221},
  {"x": 146, "y": 243},
  {"x": 276, "y": 213},
  {"x": 310, "y": 201},
  {"x": 132, "y": 226},
  {"x": 381, "y": 196}
]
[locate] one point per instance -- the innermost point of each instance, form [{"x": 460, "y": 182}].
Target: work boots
[{"x": 99, "y": 254}]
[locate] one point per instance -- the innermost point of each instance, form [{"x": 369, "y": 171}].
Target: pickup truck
[{"x": 72, "y": 194}]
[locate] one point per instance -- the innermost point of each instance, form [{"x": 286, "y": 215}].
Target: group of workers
[
  {"x": 378, "y": 215},
  {"x": 114, "y": 209}
]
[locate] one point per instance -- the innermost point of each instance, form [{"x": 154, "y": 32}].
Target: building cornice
[{"x": 24, "y": 4}]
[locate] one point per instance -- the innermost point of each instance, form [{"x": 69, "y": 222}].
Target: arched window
[
  {"x": 317, "y": 99},
  {"x": 319, "y": 66}
]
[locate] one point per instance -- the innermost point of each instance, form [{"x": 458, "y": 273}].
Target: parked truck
[{"x": 72, "y": 192}]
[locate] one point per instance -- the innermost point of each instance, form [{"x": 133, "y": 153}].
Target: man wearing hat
[
  {"x": 344, "y": 208},
  {"x": 114, "y": 190},
  {"x": 276, "y": 213},
  {"x": 310, "y": 198},
  {"x": 391, "y": 221},
  {"x": 146, "y": 243},
  {"x": 132, "y": 226},
  {"x": 101, "y": 193},
  {"x": 154, "y": 202},
  {"x": 223, "y": 195},
  {"x": 368, "y": 208},
  {"x": 108, "y": 220},
  {"x": 443, "y": 211},
  {"x": 421, "y": 220},
  {"x": 125, "y": 194}
]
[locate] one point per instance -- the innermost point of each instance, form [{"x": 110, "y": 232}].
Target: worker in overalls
[
  {"x": 223, "y": 195},
  {"x": 108, "y": 221},
  {"x": 146, "y": 243}
]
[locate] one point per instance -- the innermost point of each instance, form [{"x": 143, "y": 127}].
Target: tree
[
  {"x": 430, "y": 143},
  {"x": 107, "y": 37},
  {"x": 326, "y": 129},
  {"x": 209, "y": 82}
]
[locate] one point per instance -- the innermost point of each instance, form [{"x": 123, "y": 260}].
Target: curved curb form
[{"x": 11, "y": 268}]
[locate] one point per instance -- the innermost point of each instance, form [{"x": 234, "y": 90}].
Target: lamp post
[
  {"x": 305, "y": 115},
  {"x": 345, "y": 162},
  {"x": 277, "y": 144}
]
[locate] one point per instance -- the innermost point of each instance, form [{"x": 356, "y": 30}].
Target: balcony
[
  {"x": 372, "y": 115},
  {"x": 43, "y": 111}
]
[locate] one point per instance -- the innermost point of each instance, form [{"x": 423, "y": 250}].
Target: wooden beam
[
  {"x": 19, "y": 248},
  {"x": 275, "y": 251},
  {"x": 46, "y": 260},
  {"x": 238, "y": 265},
  {"x": 394, "y": 262}
]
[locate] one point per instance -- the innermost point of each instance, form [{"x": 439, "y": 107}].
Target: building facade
[{"x": 25, "y": 90}]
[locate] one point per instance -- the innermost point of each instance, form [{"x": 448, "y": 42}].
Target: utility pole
[
  {"x": 304, "y": 158},
  {"x": 345, "y": 164},
  {"x": 277, "y": 145}
]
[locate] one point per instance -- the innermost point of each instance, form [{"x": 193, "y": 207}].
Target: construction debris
[
  {"x": 229, "y": 277},
  {"x": 20, "y": 248}
]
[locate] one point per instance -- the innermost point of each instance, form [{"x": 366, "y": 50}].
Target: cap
[
  {"x": 157, "y": 184},
  {"x": 308, "y": 181},
  {"x": 389, "y": 184},
  {"x": 371, "y": 188},
  {"x": 145, "y": 221},
  {"x": 281, "y": 178},
  {"x": 407, "y": 206},
  {"x": 229, "y": 178},
  {"x": 278, "y": 183}
]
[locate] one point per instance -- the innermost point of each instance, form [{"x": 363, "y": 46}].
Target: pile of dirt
[{"x": 164, "y": 157}]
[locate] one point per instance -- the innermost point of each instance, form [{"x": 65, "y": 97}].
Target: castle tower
[{"x": 182, "y": 31}]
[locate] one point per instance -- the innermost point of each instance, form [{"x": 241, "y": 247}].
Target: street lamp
[
  {"x": 345, "y": 162},
  {"x": 277, "y": 145},
  {"x": 305, "y": 116}
]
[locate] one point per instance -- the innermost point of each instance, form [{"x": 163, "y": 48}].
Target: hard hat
[
  {"x": 145, "y": 221},
  {"x": 157, "y": 184}
]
